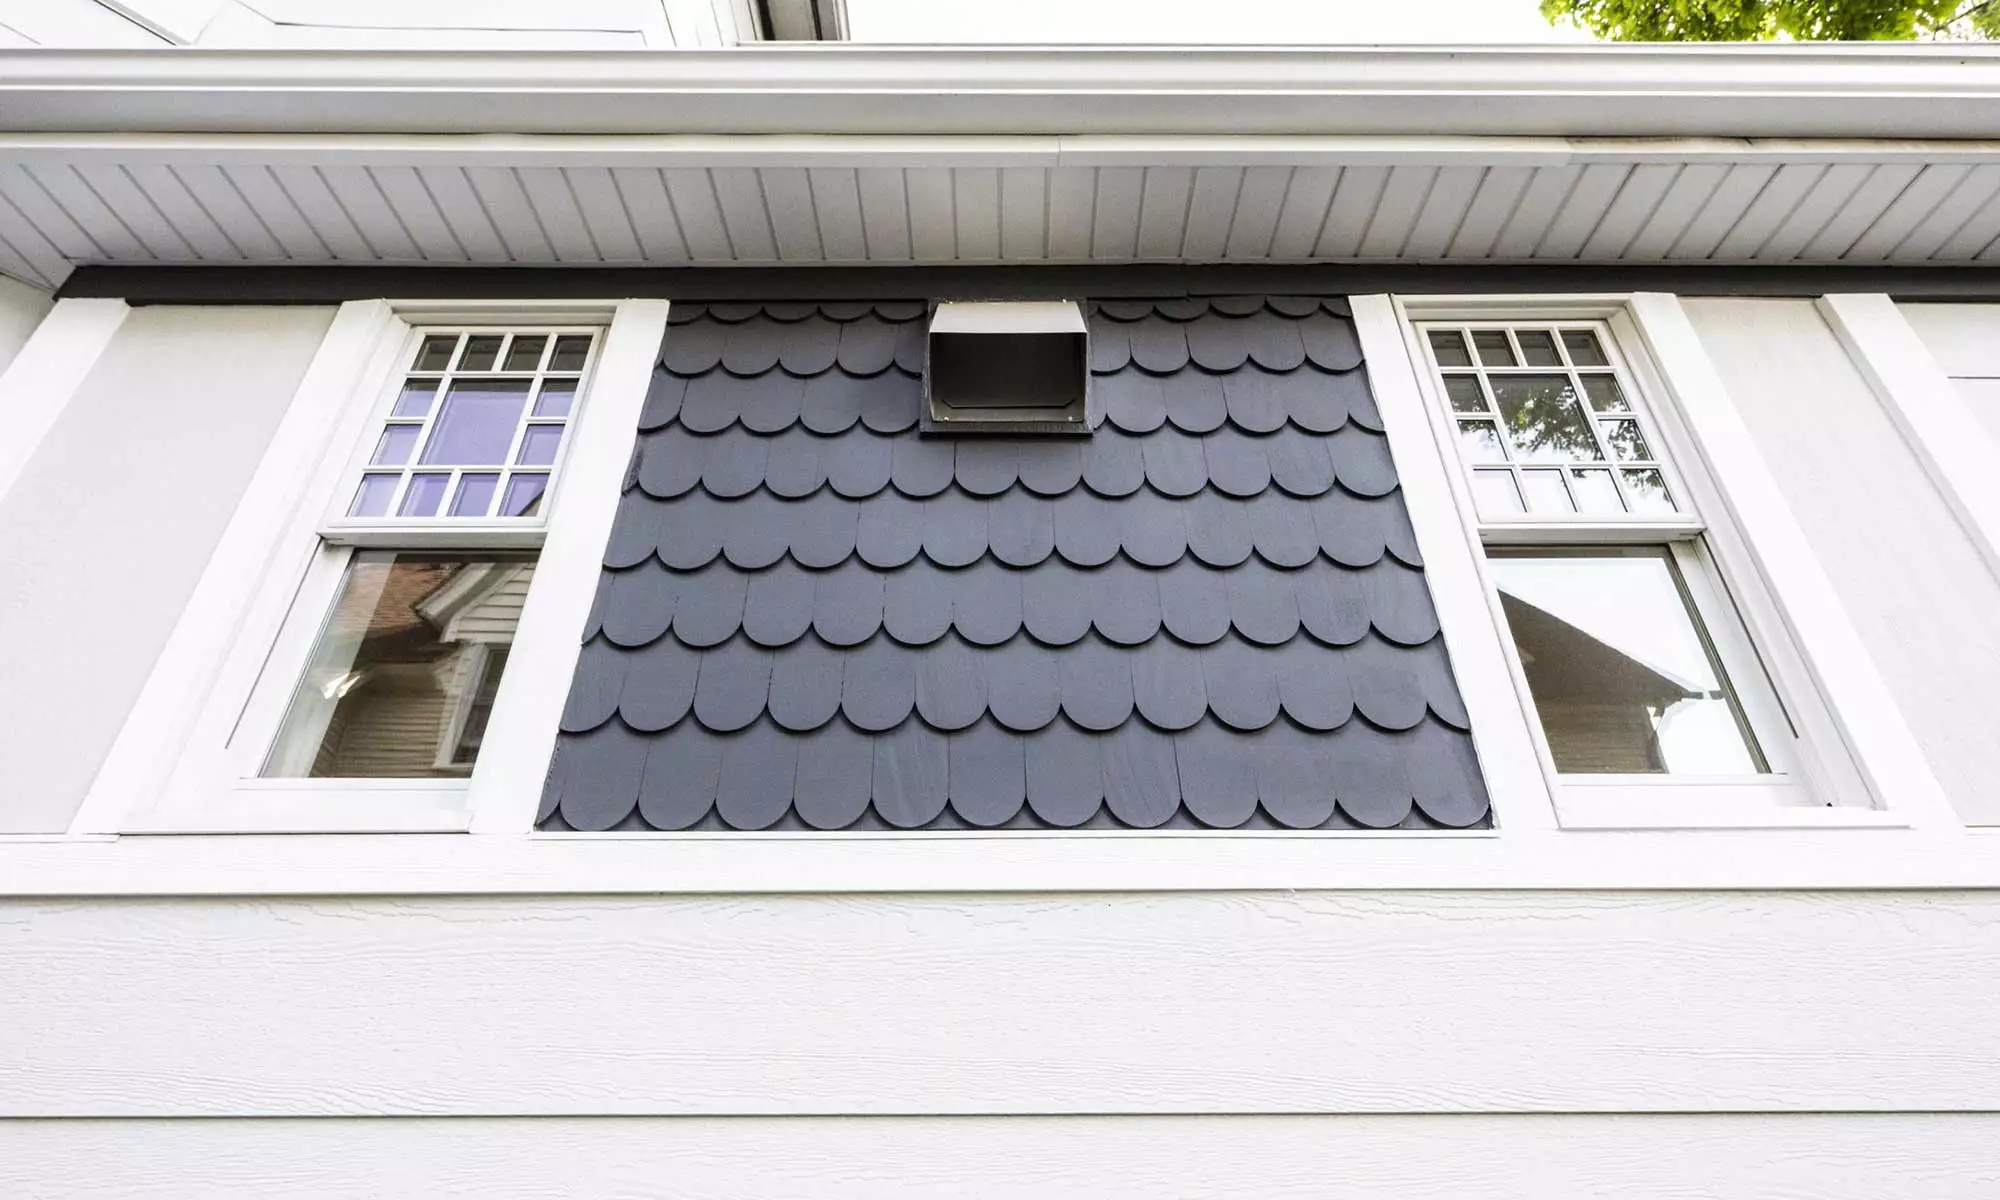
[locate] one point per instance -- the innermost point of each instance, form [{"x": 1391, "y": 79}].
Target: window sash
[
  {"x": 1742, "y": 667},
  {"x": 441, "y": 531},
  {"x": 1686, "y": 512}
]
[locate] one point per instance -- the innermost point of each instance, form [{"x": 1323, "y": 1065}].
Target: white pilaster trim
[
  {"x": 185, "y": 673},
  {"x": 1885, "y": 752},
  {"x": 1515, "y": 783},
  {"x": 1950, "y": 443},
  {"x": 39, "y": 384},
  {"x": 507, "y": 780}
]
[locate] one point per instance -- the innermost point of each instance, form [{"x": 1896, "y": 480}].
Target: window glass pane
[
  {"x": 415, "y": 400},
  {"x": 1494, "y": 350},
  {"x": 475, "y": 494},
  {"x": 1627, "y": 445},
  {"x": 1480, "y": 442},
  {"x": 1448, "y": 347},
  {"x": 1538, "y": 348},
  {"x": 524, "y": 495},
  {"x": 403, "y": 676},
  {"x": 1464, "y": 393},
  {"x": 557, "y": 397},
  {"x": 1620, "y": 668},
  {"x": 538, "y": 445},
  {"x": 393, "y": 450},
  {"x": 435, "y": 354},
  {"x": 475, "y": 426},
  {"x": 1583, "y": 348},
  {"x": 422, "y": 497},
  {"x": 480, "y": 353},
  {"x": 570, "y": 353},
  {"x": 1648, "y": 490},
  {"x": 371, "y": 499},
  {"x": 524, "y": 353},
  {"x": 1546, "y": 493},
  {"x": 1495, "y": 494},
  {"x": 1543, "y": 419},
  {"x": 1604, "y": 394},
  {"x": 1594, "y": 492}
]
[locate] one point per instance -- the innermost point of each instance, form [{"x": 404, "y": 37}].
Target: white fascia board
[{"x": 1874, "y": 90}]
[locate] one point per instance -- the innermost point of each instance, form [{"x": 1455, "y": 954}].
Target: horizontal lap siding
[
  {"x": 1215, "y": 1003},
  {"x": 1742, "y": 1157}
]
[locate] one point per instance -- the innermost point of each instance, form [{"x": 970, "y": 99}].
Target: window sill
[
  {"x": 1642, "y": 802},
  {"x": 319, "y": 806}
]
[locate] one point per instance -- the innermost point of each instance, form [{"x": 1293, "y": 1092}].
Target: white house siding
[
  {"x": 1911, "y": 580},
  {"x": 1260, "y": 1158},
  {"x": 110, "y": 523},
  {"x": 1965, "y": 340},
  {"x": 1039, "y": 1046},
  {"x": 21, "y": 309}
]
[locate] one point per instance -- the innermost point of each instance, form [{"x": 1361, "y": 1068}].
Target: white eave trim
[{"x": 1921, "y": 90}]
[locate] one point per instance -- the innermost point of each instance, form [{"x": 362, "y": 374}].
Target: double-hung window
[
  {"x": 434, "y": 549},
  {"x": 373, "y": 694},
  {"x": 1649, "y": 700}
]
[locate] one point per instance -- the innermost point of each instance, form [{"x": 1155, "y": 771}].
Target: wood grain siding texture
[
  {"x": 1243, "y": 1002},
  {"x": 612, "y": 213},
  {"x": 1902, "y": 565},
  {"x": 1742, "y": 1157}
]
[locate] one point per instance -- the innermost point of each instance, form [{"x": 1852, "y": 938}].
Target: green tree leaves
[{"x": 1762, "y": 20}]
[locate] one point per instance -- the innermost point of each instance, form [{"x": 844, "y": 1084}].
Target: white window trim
[
  {"x": 1859, "y": 753},
  {"x": 170, "y": 770}
]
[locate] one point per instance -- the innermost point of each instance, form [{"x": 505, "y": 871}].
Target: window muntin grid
[
  {"x": 1546, "y": 423},
  {"x": 476, "y": 427}
]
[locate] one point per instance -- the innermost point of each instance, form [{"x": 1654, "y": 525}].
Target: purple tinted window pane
[
  {"x": 524, "y": 495},
  {"x": 371, "y": 499},
  {"x": 538, "y": 445},
  {"x": 475, "y": 495},
  {"x": 570, "y": 353},
  {"x": 480, "y": 353},
  {"x": 423, "y": 496},
  {"x": 525, "y": 353},
  {"x": 415, "y": 400},
  {"x": 394, "y": 448},
  {"x": 557, "y": 398},
  {"x": 475, "y": 426},
  {"x": 436, "y": 352}
]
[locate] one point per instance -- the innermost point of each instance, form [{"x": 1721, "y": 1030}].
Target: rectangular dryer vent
[{"x": 1011, "y": 367}]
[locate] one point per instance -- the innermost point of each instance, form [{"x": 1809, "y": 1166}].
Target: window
[
  {"x": 1644, "y": 687},
  {"x": 409, "y": 647},
  {"x": 360, "y": 688}
]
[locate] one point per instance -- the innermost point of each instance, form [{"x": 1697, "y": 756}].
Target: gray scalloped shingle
[{"x": 1210, "y": 614}]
